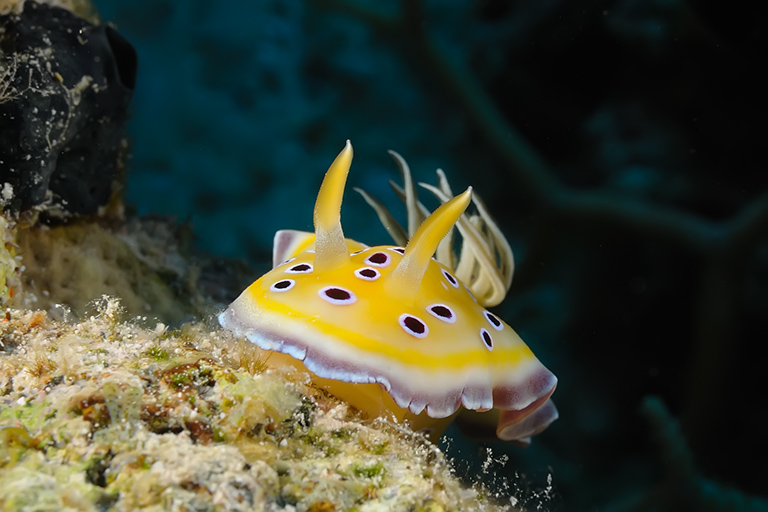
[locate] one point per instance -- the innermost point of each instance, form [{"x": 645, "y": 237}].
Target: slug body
[{"x": 389, "y": 329}]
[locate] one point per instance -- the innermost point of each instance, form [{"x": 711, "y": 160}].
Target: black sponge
[{"x": 65, "y": 86}]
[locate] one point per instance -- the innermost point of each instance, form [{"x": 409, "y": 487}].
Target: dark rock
[{"x": 65, "y": 86}]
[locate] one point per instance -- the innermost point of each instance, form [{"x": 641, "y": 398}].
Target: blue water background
[{"x": 649, "y": 113}]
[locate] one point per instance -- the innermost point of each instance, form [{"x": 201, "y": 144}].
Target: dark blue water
[{"x": 617, "y": 144}]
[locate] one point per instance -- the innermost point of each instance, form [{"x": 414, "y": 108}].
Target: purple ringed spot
[
  {"x": 368, "y": 274},
  {"x": 287, "y": 261},
  {"x": 413, "y": 325},
  {"x": 494, "y": 321},
  {"x": 301, "y": 268},
  {"x": 442, "y": 312},
  {"x": 379, "y": 259},
  {"x": 454, "y": 282},
  {"x": 337, "y": 296},
  {"x": 486, "y": 336},
  {"x": 283, "y": 285},
  {"x": 399, "y": 250}
]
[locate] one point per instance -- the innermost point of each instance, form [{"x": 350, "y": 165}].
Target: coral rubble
[{"x": 102, "y": 414}]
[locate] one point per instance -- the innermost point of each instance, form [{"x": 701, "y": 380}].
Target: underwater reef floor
[
  {"x": 103, "y": 414},
  {"x": 103, "y": 409}
]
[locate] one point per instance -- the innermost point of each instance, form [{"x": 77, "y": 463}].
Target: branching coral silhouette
[{"x": 722, "y": 247}]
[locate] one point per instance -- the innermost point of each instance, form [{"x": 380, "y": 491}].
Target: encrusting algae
[{"x": 105, "y": 415}]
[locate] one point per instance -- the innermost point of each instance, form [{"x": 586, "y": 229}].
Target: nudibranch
[{"x": 390, "y": 329}]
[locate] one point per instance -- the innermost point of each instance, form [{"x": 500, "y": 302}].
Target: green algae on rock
[
  {"x": 82, "y": 8},
  {"x": 76, "y": 263},
  {"x": 105, "y": 415},
  {"x": 9, "y": 264},
  {"x": 148, "y": 263}
]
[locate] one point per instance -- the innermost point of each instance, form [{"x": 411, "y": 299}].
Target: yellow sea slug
[{"x": 390, "y": 329}]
